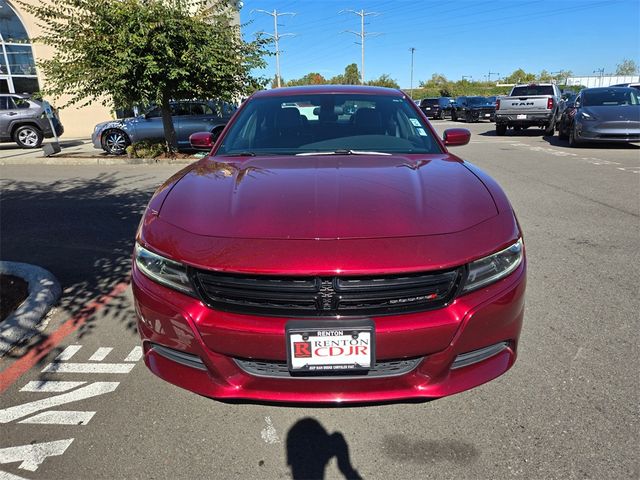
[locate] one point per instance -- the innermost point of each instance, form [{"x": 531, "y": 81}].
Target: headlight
[
  {"x": 162, "y": 270},
  {"x": 494, "y": 267},
  {"x": 586, "y": 116}
]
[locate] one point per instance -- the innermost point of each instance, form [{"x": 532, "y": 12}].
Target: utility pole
[
  {"x": 412, "y": 50},
  {"x": 491, "y": 73},
  {"x": 276, "y": 37},
  {"x": 362, "y": 14},
  {"x": 601, "y": 72}
]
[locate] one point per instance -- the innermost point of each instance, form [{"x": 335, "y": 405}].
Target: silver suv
[
  {"x": 188, "y": 117},
  {"x": 23, "y": 120}
]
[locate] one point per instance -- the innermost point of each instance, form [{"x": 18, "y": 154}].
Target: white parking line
[
  {"x": 88, "y": 368},
  {"x": 100, "y": 354},
  {"x": 50, "y": 386},
  {"x": 60, "y": 417},
  {"x": 68, "y": 352}
]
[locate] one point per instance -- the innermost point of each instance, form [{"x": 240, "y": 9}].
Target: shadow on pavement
[
  {"x": 82, "y": 230},
  {"x": 310, "y": 448}
]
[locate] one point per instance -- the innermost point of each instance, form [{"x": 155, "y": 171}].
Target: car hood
[
  {"x": 328, "y": 197},
  {"x": 610, "y": 113}
]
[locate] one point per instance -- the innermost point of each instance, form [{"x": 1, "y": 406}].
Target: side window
[
  {"x": 201, "y": 109},
  {"x": 179, "y": 109},
  {"x": 154, "y": 113},
  {"x": 21, "y": 102},
  {"x": 3, "y": 103}
]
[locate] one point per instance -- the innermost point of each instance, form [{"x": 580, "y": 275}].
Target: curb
[
  {"x": 94, "y": 161},
  {"x": 25, "y": 322}
]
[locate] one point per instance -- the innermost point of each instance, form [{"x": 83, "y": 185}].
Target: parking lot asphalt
[{"x": 568, "y": 409}]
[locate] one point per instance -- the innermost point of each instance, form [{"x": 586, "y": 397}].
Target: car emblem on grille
[{"x": 326, "y": 294}]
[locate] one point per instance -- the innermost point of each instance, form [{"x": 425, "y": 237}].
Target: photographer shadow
[{"x": 310, "y": 448}]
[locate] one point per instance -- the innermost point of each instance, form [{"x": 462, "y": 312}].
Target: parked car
[
  {"x": 635, "y": 85},
  {"x": 23, "y": 120},
  {"x": 473, "y": 109},
  {"x": 527, "y": 106},
  {"x": 564, "y": 113},
  {"x": 188, "y": 117},
  {"x": 436, "y": 107},
  {"x": 332, "y": 258},
  {"x": 607, "y": 114}
]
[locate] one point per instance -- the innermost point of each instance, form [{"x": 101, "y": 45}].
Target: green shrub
[{"x": 147, "y": 149}]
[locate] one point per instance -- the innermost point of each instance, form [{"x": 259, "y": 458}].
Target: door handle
[{"x": 12, "y": 113}]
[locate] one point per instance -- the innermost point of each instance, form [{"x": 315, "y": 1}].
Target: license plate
[
  {"x": 330, "y": 347},
  {"x": 487, "y": 114},
  {"x": 521, "y": 117},
  {"x": 427, "y": 108}
]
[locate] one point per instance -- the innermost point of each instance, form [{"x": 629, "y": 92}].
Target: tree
[
  {"x": 312, "y": 78},
  {"x": 384, "y": 80},
  {"x": 145, "y": 52},
  {"x": 627, "y": 67},
  {"x": 520, "y": 76},
  {"x": 351, "y": 76},
  {"x": 545, "y": 76}
]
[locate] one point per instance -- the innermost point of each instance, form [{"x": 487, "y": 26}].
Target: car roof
[
  {"x": 328, "y": 89},
  {"x": 603, "y": 89}
]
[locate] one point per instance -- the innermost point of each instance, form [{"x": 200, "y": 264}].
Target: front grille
[
  {"x": 272, "y": 369},
  {"x": 327, "y": 296}
]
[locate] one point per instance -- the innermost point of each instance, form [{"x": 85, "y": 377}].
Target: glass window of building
[{"x": 17, "y": 64}]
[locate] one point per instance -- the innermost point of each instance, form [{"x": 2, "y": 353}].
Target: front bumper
[
  {"x": 608, "y": 132},
  {"x": 220, "y": 345}
]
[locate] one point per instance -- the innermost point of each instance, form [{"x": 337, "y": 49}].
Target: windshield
[
  {"x": 325, "y": 123},
  {"x": 476, "y": 100},
  {"x": 529, "y": 90},
  {"x": 612, "y": 97}
]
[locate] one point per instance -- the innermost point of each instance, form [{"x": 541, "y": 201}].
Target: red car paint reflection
[{"x": 326, "y": 218}]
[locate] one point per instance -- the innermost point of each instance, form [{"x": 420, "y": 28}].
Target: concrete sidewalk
[{"x": 75, "y": 151}]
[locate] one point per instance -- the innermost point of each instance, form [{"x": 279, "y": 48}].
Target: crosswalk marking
[
  {"x": 68, "y": 353},
  {"x": 135, "y": 355},
  {"x": 50, "y": 386},
  {"x": 92, "y": 390},
  {"x": 100, "y": 354},
  {"x": 60, "y": 417},
  {"x": 88, "y": 368},
  {"x": 32, "y": 455}
]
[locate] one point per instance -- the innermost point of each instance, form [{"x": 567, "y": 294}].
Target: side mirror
[
  {"x": 202, "y": 140},
  {"x": 455, "y": 137}
]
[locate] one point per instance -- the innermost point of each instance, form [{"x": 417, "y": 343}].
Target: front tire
[
  {"x": 501, "y": 129},
  {"x": 115, "y": 142},
  {"x": 454, "y": 116},
  {"x": 28, "y": 137},
  {"x": 573, "y": 140},
  {"x": 550, "y": 130},
  {"x": 562, "y": 133}
]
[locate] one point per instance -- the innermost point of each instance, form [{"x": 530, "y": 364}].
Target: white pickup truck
[{"x": 526, "y": 106}]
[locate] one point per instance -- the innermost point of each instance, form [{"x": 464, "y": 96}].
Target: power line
[
  {"x": 362, "y": 14},
  {"x": 276, "y": 37}
]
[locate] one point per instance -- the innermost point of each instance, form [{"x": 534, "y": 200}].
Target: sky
[{"x": 454, "y": 38}]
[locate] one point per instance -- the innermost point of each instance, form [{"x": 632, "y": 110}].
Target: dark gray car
[
  {"x": 23, "y": 120},
  {"x": 188, "y": 117},
  {"x": 610, "y": 114}
]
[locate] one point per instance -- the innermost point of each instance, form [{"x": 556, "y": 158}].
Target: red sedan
[{"x": 329, "y": 249}]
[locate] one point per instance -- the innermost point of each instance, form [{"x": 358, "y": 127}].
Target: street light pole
[{"x": 412, "y": 50}]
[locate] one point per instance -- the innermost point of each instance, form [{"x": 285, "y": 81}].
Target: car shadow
[
  {"x": 82, "y": 230},
  {"x": 310, "y": 448},
  {"x": 534, "y": 132}
]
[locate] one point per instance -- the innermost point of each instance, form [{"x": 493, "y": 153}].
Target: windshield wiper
[
  {"x": 341, "y": 152},
  {"x": 239, "y": 154}
]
